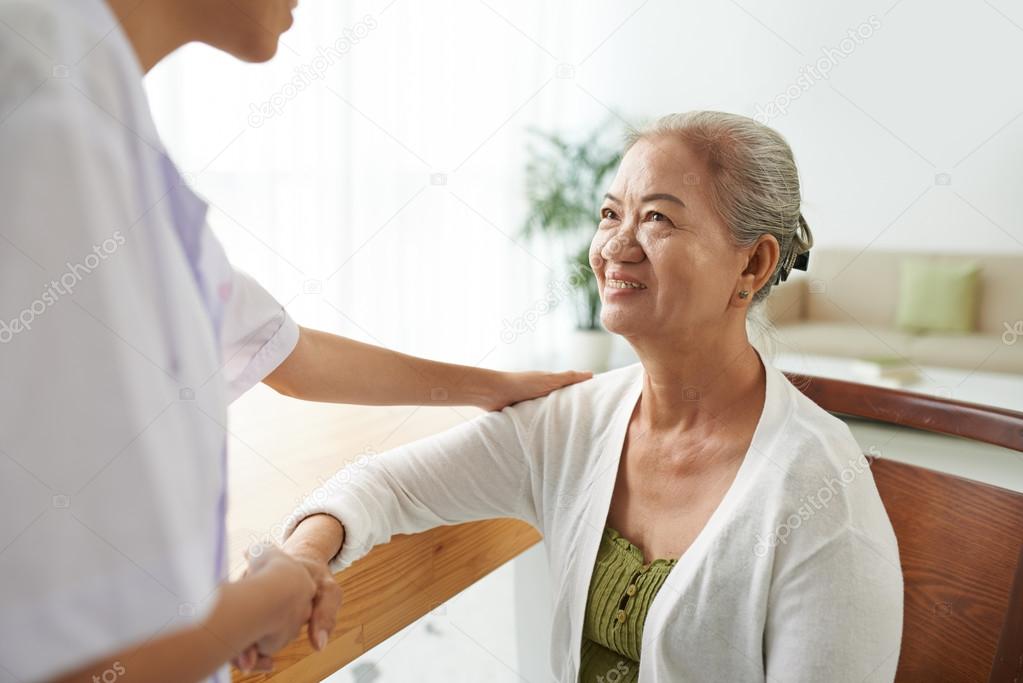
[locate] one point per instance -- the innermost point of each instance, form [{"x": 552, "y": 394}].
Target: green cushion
[{"x": 937, "y": 297}]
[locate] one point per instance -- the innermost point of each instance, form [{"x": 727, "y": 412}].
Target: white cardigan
[{"x": 796, "y": 576}]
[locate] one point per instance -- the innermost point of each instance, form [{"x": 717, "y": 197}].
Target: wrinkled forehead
[{"x": 660, "y": 164}]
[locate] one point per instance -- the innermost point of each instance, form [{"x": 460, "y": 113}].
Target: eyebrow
[{"x": 651, "y": 197}]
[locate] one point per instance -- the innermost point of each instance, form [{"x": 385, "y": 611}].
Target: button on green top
[{"x": 621, "y": 590}]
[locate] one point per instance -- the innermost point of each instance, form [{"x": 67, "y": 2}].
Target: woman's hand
[
  {"x": 287, "y": 591},
  {"x": 315, "y": 541},
  {"x": 326, "y": 602},
  {"x": 512, "y": 387},
  {"x": 312, "y": 545}
]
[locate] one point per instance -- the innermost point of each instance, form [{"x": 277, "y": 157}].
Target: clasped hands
[{"x": 298, "y": 590}]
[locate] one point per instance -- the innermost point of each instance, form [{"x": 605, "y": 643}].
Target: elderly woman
[{"x": 704, "y": 520}]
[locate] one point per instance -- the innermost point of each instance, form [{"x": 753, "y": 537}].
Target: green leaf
[{"x": 565, "y": 181}]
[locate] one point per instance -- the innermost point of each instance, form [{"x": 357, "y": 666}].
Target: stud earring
[{"x": 743, "y": 293}]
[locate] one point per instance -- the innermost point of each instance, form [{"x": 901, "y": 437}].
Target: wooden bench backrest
[{"x": 960, "y": 541}]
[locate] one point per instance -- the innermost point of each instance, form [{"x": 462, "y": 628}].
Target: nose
[{"x": 623, "y": 246}]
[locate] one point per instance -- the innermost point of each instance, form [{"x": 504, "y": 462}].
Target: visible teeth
[{"x": 622, "y": 284}]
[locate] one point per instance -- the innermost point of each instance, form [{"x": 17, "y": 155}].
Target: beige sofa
[{"x": 845, "y": 306}]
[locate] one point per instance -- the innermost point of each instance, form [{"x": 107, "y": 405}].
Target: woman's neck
[{"x": 686, "y": 386}]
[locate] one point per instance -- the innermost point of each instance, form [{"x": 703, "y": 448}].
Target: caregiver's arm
[
  {"x": 326, "y": 367},
  {"x": 268, "y": 606}
]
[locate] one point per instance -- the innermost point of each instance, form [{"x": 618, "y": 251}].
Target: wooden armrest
[{"x": 396, "y": 584}]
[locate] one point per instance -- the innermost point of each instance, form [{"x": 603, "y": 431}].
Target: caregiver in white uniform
[{"x": 124, "y": 334}]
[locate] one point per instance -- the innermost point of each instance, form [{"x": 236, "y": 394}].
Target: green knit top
[{"x": 621, "y": 590}]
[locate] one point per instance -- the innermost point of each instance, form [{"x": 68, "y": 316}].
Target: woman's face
[
  {"x": 662, "y": 257},
  {"x": 247, "y": 29}
]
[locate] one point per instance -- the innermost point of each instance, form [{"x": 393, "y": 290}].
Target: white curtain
[{"x": 371, "y": 175}]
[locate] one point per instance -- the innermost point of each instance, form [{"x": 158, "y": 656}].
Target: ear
[{"x": 761, "y": 260}]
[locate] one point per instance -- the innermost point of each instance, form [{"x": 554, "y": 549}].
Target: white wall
[
  {"x": 933, "y": 89},
  {"x": 341, "y": 175}
]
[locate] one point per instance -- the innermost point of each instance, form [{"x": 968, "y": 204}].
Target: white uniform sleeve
[
  {"x": 478, "y": 470},
  {"x": 256, "y": 336}
]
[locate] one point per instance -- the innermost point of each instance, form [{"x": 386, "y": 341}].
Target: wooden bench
[{"x": 960, "y": 543}]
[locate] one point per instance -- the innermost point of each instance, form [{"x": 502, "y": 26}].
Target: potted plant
[{"x": 564, "y": 183}]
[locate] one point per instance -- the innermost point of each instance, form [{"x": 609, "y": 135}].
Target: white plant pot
[{"x": 590, "y": 350}]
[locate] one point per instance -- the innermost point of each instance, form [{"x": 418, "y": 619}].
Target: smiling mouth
[{"x": 622, "y": 284}]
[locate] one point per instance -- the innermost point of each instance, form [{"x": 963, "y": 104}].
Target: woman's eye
[
  {"x": 656, "y": 216},
  {"x": 607, "y": 214}
]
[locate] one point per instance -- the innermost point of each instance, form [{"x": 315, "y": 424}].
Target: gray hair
[{"x": 754, "y": 183}]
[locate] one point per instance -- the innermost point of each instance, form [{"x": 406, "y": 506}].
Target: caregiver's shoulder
[
  {"x": 59, "y": 57},
  {"x": 36, "y": 40}
]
